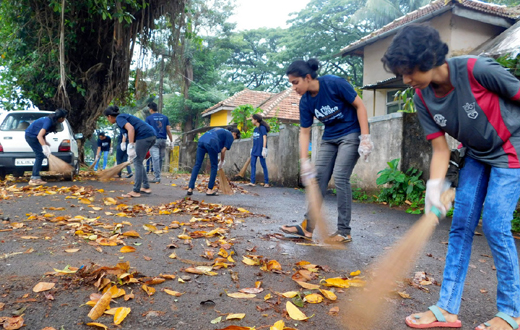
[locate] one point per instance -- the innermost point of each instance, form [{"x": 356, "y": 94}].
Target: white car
[{"x": 16, "y": 156}]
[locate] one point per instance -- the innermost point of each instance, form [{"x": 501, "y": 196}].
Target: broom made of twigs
[
  {"x": 91, "y": 167},
  {"x": 224, "y": 185},
  {"x": 109, "y": 173},
  {"x": 242, "y": 172},
  {"x": 58, "y": 165},
  {"x": 367, "y": 305},
  {"x": 315, "y": 201}
]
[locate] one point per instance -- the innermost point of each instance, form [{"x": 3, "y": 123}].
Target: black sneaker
[
  {"x": 130, "y": 175},
  {"x": 155, "y": 181}
]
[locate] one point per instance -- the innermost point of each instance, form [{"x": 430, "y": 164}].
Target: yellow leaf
[
  {"x": 243, "y": 210},
  {"x": 250, "y": 262},
  {"x": 313, "y": 298},
  {"x": 111, "y": 311},
  {"x": 29, "y": 237},
  {"x": 183, "y": 236},
  {"x": 131, "y": 233},
  {"x": 223, "y": 253},
  {"x": 120, "y": 315},
  {"x": 173, "y": 293},
  {"x": 85, "y": 201},
  {"x": 238, "y": 316},
  {"x": 116, "y": 292},
  {"x": 173, "y": 185},
  {"x": 126, "y": 249},
  {"x": 267, "y": 296},
  {"x": 43, "y": 286},
  {"x": 356, "y": 273},
  {"x": 95, "y": 208},
  {"x": 273, "y": 265},
  {"x": 328, "y": 294},
  {"x": 357, "y": 283},
  {"x": 110, "y": 201},
  {"x": 279, "y": 325},
  {"x": 172, "y": 256},
  {"x": 404, "y": 295},
  {"x": 337, "y": 282},
  {"x": 95, "y": 324},
  {"x": 294, "y": 312},
  {"x": 240, "y": 295},
  {"x": 290, "y": 294},
  {"x": 308, "y": 285},
  {"x": 148, "y": 289},
  {"x": 149, "y": 227},
  {"x": 164, "y": 212},
  {"x": 72, "y": 250},
  {"x": 100, "y": 306}
]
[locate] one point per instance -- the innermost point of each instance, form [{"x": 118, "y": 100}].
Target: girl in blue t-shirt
[
  {"x": 472, "y": 99},
  {"x": 334, "y": 102},
  {"x": 141, "y": 137},
  {"x": 35, "y": 136},
  {"x": 259, "y": 149}
]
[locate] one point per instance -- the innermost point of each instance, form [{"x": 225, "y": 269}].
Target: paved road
[{"x": 375, "y": 228}]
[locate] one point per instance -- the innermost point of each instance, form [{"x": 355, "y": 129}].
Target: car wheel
[
  {"x": 2, "y": 174},
  {"x": 75, "y": 171},
  {"x": 18, "y": 173}
]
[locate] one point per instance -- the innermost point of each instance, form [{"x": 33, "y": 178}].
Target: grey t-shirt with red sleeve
[{"x": 482, "y": 111}]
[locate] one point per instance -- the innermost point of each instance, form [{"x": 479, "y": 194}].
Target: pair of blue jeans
[
  {"x": 253, "y": 169},
  {"x": 492, "y": 192},
  {"x": 38, "y": 151},
  {"x": 203, "y": 149},
  {"x": 105, "y": 160}
]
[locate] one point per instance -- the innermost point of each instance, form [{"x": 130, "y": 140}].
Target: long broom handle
[
  {"x": 367, "y": 304},
  {"x": 244, "y": 168}
]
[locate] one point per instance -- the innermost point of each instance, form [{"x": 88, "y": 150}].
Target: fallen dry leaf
[
  {"x": 12, "y": 323},
  {"x": 294, "y": 312},
  {"x": 127, "y": 249},
  {"x": 313, "y": 298},
  {"x": 72, "y": 250},
  {"x": 148, "y": 289},
  {"x": 238, "y": 316},
  {"x": 43, "y": 286},
  {"x": 120, "y": 314},
  {"x": 100, "y": 306},
  {"x": 240, "y": 295},
  {"x": 279, "y": 325},
  {"x": 99, "y": 325},
  {"x": 334, "y": 310},
  {"x": 308, "y": 285},
  {"x": 404, "y": 295},
  {"x": 329, "y": 294}
]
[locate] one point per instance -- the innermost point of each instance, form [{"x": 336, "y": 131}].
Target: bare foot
[
  {"x": 293, "y": 230},
  {"x": 428, "y": 317},
  {"x": 497, "y": 324}
]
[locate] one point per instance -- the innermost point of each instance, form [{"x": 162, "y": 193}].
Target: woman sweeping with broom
[
  {"x": 476, "y": 101},
  {"x": 213, "y": 142},
  {"x": 35, "y": 136},
  {"x": 334, "y": 102},
  {"x": 141, "y": 138}
]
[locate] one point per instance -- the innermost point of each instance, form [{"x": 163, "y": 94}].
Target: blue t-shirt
[
  {"x": 217, "y": 138},
  {"x": 37, "y": 125},
  {"x": 105, "y": 143},
  {"x": 332, "y": 106},
  {"x": 258, "y": 140},
  {"x": 142, "y": 129},
  {"x": 159, "y": 122}
]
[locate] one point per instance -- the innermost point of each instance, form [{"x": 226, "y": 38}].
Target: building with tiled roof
[
  {"x": 283, "y": 105},
  {"x": 463, "y": 24}
]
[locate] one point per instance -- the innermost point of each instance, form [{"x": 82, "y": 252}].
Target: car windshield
[{"x": 19, "y": 121}]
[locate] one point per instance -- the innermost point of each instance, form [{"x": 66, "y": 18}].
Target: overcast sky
[{"x": 254, "y": 14}]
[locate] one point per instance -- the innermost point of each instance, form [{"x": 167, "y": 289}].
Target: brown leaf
[
  {"x": 43, "y": 286},
  {"x": 251, "y": 290},
  {"x": 2, "y": 306},
  {"x": 334, "y": 310},
  {"x": 12, "y": 323},
  {"x": 154, "y": 281},
  {"x": 127, "y": 249}
]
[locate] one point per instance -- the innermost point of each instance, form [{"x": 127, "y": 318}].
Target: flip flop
[
  {"x": 146, "y": 192},
  {"x": 299, "y": 231},
  {"x": 440, "y": 323},
  {"x": 189, "y": 193},
  {"x": 344, "y": 238},
  {"x": 128, "y": 195},
  {"x": 212, "y": 194},
  {"x": 512, "y": 323}
]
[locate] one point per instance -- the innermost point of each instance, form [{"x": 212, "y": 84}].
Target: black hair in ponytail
[{"x": 258, "y": 117}]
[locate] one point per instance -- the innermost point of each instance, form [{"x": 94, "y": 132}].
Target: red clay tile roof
[
  {"x": 284, "y": 105},
  {"x": 247, "y": 96},
  {"x": 435, "y": 7}
]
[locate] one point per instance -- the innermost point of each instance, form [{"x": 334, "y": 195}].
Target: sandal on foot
[
  {"x": 343, "y": 238},
  {"x": 267, "y": 185},
  {"x": 512, "y": 323},
  {"x": 440, "y": 323},
  {"x": 146, "y": 191},
  {"x": 189, "y": 193},
  {"x": 215, "y": 193},
  {"x": 251, "y": 184},
  {"x": 131, "y": 194},
  {"x": 299, "y": 231}
]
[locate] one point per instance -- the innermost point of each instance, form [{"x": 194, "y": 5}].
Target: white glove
[
  {"x": 221, "y": 164},
  {"x": 131, "y": 152},
  {"x": 264, "y": 152},
  {"x": 46, "y": 150},
  {"x": 307, "y": 171},
  {"x": 365, "y": 146},
  {"x": 123, "y": 146},
  {"x": 171, "y": 144},
  {"x": 110, "y": 151},
  {"x": 97, "y": 158},
  {"x": 434, "y": 189},
  {"x": 251, "y": 152}
]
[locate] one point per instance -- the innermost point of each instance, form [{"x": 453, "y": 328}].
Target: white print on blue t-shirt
[
  {"x": 328, "y": 114},
  {"x": 256, "y": 135},
  {"x": 470, "y": 110},
  {"x": 440, "y": 120}
]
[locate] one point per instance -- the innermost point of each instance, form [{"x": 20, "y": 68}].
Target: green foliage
[
  {"x": 406, "y": 98},
  {"x": 511, "y": 63},
  {"x": 241, "y": 116},
  {"x": 515, "y": 223},
  {"x": 400, "y": 186}
]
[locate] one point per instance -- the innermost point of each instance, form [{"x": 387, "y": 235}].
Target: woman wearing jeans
[
  {"x": 141, "y": 138},
  {"x": 475, "y": 100},
  {"x": 259, "y": 149},
  {"x": 334, "y": 102},
  {"x": 35, "y": 136}
]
